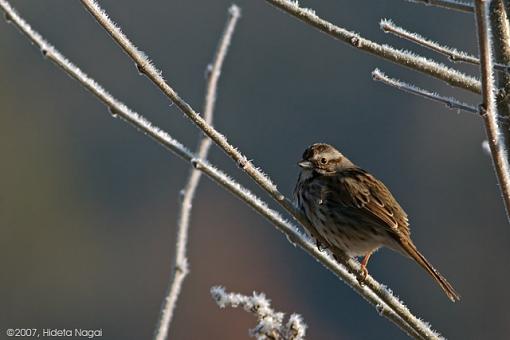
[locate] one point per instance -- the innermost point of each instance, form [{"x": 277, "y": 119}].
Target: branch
[
  {"x": 181, "y": 266},
  {"x": 378, "y": 295},
  {"x": 448, "y": 4},
  {"x": 257, "y": 175},
  {"x": 493, "y": 121},
  {"x": 453, "y": 54},
  {"x": 450, "y": 102},
  {"x": 270, "y": 323},
  {"x": 405, "y": 58}
]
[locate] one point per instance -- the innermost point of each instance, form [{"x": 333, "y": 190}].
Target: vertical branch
[
  {"x": 489, "y": 109},
  {"x": 181, "y": 265},
  {"x": 501, "y": 34}
]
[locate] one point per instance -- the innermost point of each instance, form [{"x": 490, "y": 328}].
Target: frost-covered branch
[
  {"x": 181, "y": 266},
  {"x": 453, "y": 54},
  {"x": 450, "y": 102},
  {"x": 448, "y": 4},
  {"x": 147, "y": 68},
  {"x": 492, "y": 116},
  {"x": 271, "y": 324},
  {"x": 405, "y": 58},
  {"x": 378, "y": 295}
]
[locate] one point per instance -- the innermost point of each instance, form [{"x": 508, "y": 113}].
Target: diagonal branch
[
  {"x": 386, "y": 304},
  {"x": 490, "y": 113},
  {"x": 448, "y": 4},
  {"x": 450, "y": 102},
  {"x": 257, "y": 175},
  {"x": 181, "y": 266},
  {"x": 453, "y": 54},
  {"x": 405, "y": 58}
]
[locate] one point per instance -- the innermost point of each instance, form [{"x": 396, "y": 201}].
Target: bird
[{"x": 352, "y": 213}]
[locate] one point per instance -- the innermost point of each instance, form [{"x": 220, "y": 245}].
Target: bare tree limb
[
  {"x": 448, "y": 4},
  {"x": 256, "y": 174},
  {"x": 405, "y": 58},
  {"x": 501, "y": 33},
  {"x": 453, "y": 54},
  {"x": 450, "y": 102},
  {"x": 493, "y": 121},
  {"x": 181, "y": 264},
  {"x": 378, "y": 295}
]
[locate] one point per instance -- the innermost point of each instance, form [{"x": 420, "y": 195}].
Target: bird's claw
[
  {"x": 362, "y": 276},
  {"x": 319, "y": 245}
]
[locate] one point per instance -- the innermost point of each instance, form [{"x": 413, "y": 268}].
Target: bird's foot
[
  {"x": 319, "y": 245},
  {"x": 362, "y": 275}
]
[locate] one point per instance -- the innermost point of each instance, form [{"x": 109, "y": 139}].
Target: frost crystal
[{"x": 270, "y": 323}]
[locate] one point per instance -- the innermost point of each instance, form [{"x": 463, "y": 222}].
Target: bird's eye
[{"x": 324, "y": 160}]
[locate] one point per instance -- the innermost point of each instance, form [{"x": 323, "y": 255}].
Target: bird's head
[{"x": 323, "y": 159}]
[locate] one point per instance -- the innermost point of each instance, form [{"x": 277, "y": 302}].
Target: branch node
[
  {"x": 196, "y": 163},
  {"x": 482, "y": 110},
  {"x": 113, "y": 112},
  {"x": 380, "y": 309},
  {"x": 242, "y": 163},
  {"x": 208, "y": 71},
  {"x": 182, "y": 268},
  {"x": 356, "y": 42},
  {"x": 501, "y": 94},
  {"x": 141, "y": 69}
]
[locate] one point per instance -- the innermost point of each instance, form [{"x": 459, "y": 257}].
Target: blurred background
[{"x": 88, "y": 205}]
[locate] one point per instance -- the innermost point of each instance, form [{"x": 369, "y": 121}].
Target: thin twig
[
  {"x": 387, "y": 304},
  {"x": 450, "y": 102},
  {"x": 271, "y": 324},
  {"x": 448, "y": 4},
  {"x": 257, "y": 175},
  {"x": 405, "y": 58},
  {"x": 490, "y": 113},
  {"x": 181, "y": 264},
  {"x": 453, "y": 54}
]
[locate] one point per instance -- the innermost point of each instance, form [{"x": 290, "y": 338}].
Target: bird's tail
[{"x": 413, "y": 252}]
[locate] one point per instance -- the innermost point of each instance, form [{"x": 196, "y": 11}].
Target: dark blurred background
[{"x": 88, "y": 205}]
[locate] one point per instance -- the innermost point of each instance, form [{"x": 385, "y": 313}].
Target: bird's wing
[{"x": 359, "y": 189}]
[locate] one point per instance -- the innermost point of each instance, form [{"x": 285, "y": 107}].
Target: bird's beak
[{"x": 305, "y": 164}]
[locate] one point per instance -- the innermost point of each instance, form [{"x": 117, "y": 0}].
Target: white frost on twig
[
  {"x": 388, "y": 26},
  {"x": 270, "y": 323},
  {"x": 402, "y": 57},
  {"x": 448, "y": 4},
  {"x": 450, "y": 102},
  {"x": 455, "y": 55}
]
